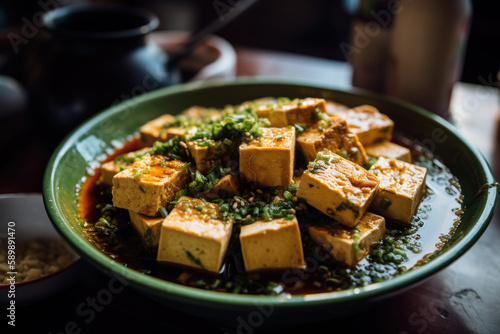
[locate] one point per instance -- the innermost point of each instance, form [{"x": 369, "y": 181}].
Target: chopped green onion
[
  {"x": 163, "y": 212},
  {"x": 287, "y": 195},
  {"x": 180, "y": 193}
]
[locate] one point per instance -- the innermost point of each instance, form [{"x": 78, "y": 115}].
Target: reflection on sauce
[{"x": 437, "y": 217}]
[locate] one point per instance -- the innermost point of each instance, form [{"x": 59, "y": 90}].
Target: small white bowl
[
  {"x": 31, "y": 222},
  {"x": 215, "y": 58}
]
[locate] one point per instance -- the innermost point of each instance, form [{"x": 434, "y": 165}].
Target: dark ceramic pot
[{"x": 94, "y": 57}]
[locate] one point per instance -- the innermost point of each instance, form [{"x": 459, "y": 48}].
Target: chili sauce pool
[{"x": 400, "y": 250}]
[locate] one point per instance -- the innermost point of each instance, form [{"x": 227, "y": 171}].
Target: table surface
[{"x": 462, "y": 298}]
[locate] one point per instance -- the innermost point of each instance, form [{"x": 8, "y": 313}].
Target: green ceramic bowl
[{"x": 78, "y": 154}]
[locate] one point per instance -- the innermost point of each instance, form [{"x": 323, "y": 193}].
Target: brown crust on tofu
[
  {"x": 149, "y": 184},
  {"x": 301, "y": 111},
  {"x": 337, "y": 138},
  {"x": 340, "y": 241},
  {"x": 368, "y": 123},
  {"x": 339, "y": 188}
]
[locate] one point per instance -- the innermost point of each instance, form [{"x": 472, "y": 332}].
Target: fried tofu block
[
  {"x": 368, "y": 124},
  {"x": 195, "y": 112},
  {"x": 155, "y": 130},
  {"x": 269, "y": 160},
  {"x": 348, "y": 246},
  {"x": 208, "y": 153},
  {"x": 149, "y": 184},
  {"x": 228, "y": 184},
  {"x": 333, "y": 107},
  {"x": 303, "y": 111},
  {"x": 260, "y": 102},
  {"x": 335, "y": 136},
  {"x": 108, "y": 171},
  {"x": 111, "y": 168},
  {"x": 148, "y": 228},
  {"x": 194, "y": 235},
  {"x": 177, "y": 132},
  {"x": 402, "y": 186},
  {"x": 389, "y": 150},
  {"x": 158, "y": 130},
  {"x": 339, "y": 188},
  {"x": 272, "y": 245}
]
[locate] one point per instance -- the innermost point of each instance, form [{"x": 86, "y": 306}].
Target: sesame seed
[
  {"x": 298, "y": 208},
  {"x": 248, "y": 217},
  {"x": 183, "y": 144},
  {"x": 235, "y": 205},
  {"x": 258, "y": 191},
  {"x": 247, "y": 134},
  {"x": 295, "y": 199},
  {"x": 251, "y": 199},
  {"x": 292, "y": 211},
  {"x": 237, "y": 200},
  {"x": 251, "y": 193}
]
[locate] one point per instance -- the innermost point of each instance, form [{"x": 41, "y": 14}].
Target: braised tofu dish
[{"x": 271, "y": 196}]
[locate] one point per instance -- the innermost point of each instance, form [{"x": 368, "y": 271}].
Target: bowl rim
[
  {"x": 75, "y": 262},
  {"x": 212, "y": 298}
]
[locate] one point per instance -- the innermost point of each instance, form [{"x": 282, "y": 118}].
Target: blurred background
[
  {"x": 309, "y": 27},
  {"x": 316, "y": 28}
]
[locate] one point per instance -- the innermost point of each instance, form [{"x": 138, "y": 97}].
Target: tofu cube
[
  {"x": 389, "y": 150},
  {"x": 158, "y": 130},
  {"x": 197, "y": 112},
  {"x": 194, "y": 235},
  {"x": 303, "y": 111},
  {"x": 228, "y": 184},
  {"x": 402, "y": 186},
  {"x": 335, "y": 136},
  {"x": 111, "y": 168},
  {"x": 333, "y": 107},
  {"x": 269, "y": 160},
  {"x": 272, "y": 245},
  {"x": 108, "y": 171},
  {"x": 208, "y": 153},
  {"x": 148, "y": 229},
  {"x": 368, "y": 124},
  {"x": 260, "y": 102},
  {"x": 177, "y": 132},
  {"x": 345, "y": 245},
  {"x": 149, "y": 184},
  {"x": 338, "y": 187},
  {"x": 155, "y": 130}
]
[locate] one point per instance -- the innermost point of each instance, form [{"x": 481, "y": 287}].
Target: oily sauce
[{"x": 402, "y": 249}]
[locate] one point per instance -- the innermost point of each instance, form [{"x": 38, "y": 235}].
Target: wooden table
[{"x": 464, "y": 297}]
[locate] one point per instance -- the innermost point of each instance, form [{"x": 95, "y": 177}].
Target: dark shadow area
[{"x": 309, "y": 27}]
